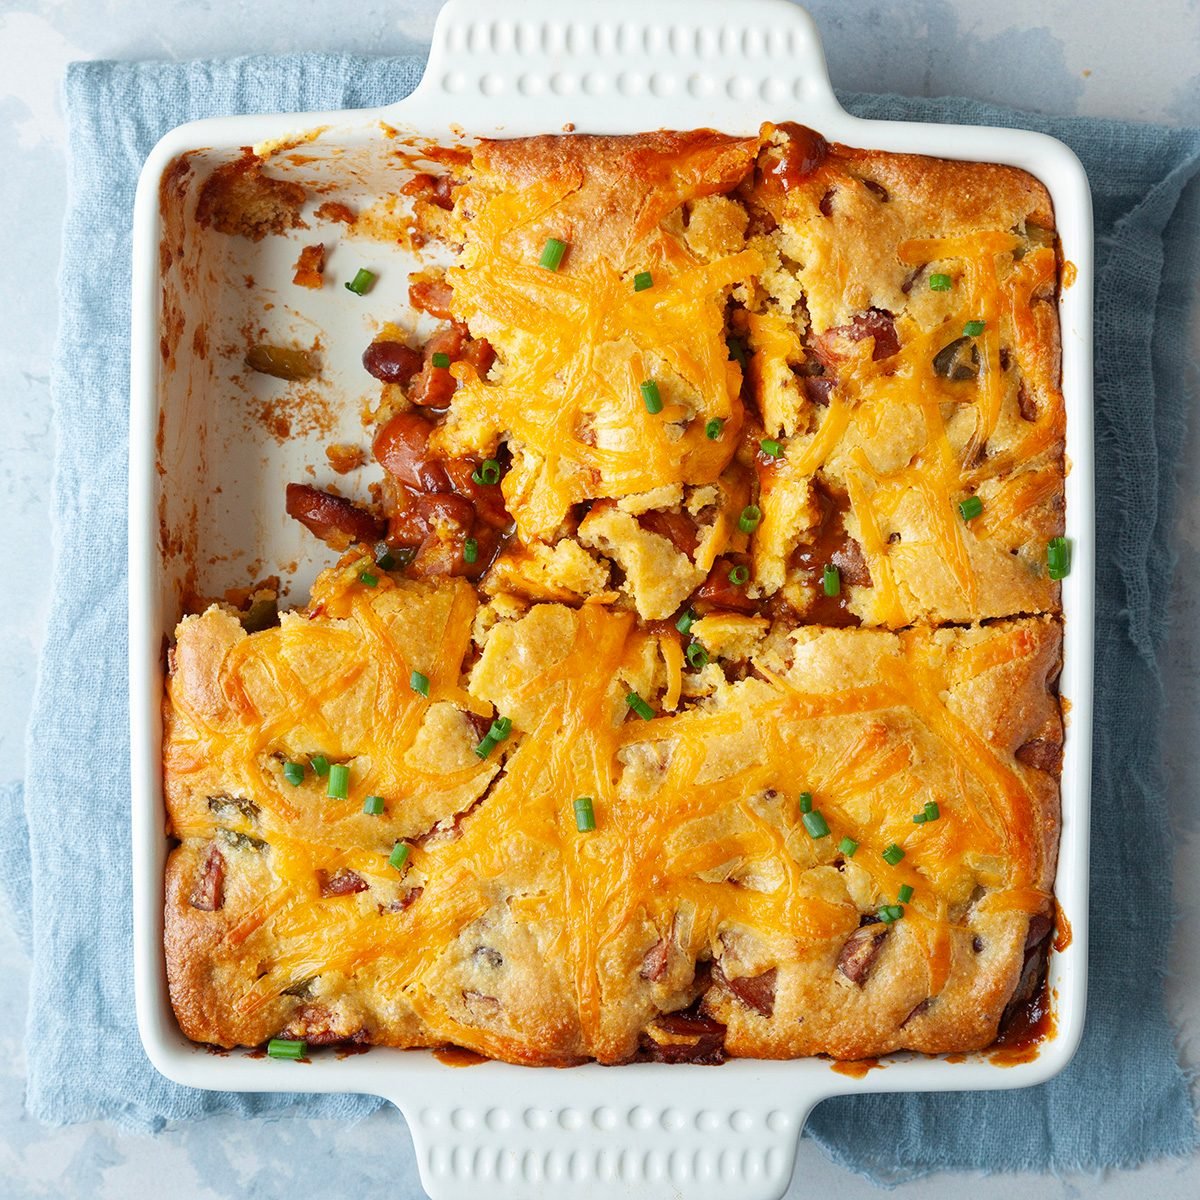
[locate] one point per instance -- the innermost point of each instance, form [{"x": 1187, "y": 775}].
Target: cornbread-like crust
[
  {"x": 846, "y": 345},
  {"x": 847, "y": 365},
  {"x": 511, "y": 933}
]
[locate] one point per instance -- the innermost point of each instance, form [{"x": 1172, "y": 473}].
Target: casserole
[{"x": 749, "y": 1139}]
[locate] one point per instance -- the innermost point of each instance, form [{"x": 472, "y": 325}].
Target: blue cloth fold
[{"x": 66, "y": 867}]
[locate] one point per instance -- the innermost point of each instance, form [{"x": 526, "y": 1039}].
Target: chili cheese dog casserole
[{"x": 690, "y": 687}]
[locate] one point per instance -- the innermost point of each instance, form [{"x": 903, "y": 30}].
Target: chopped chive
[
  {"x": 770, "y": 447},
  {"x": 338, "y": 787},
  {"x": 488, "y": 472},
  {"x": 320, "y": 764},
  {"x": 816, "y": 825},
  {"x": 373, "y": 806},
  {"x": 973, "y": 328},
  {"x": 969, "y": 508},
  {"x": 650, "y": 397},
  {"x": 939, "y": 283},
  {"x": 643, "y": 280},
  {"x": 585, "y": 815},
  {"x": 848, "y": 846},
  {"x": 748, "y": 521},
  {"x": 713, "y": 428},
  {"x": 737, "y": 351},
  {"x": 360, "y": 285},
  {"x": 893, "y": 854},
  {"x": 419, "y": 683},
  {"x": 932, "y": 812},
  {"x": 470, "y": 550},
  {"x": 386, "y": 561},
  {"x": 697, "y": 656},
  {"x": 440, "y": 360},
  {"x": 398, "y": 856},
  {"x": 686, "y": 621},
  {"x": 806, "y": 802},
  {"x": 486, "y": 746},
  {"x": 639, "y": 706},
  {"x": 831, "y": 580},
  {"x": 552, "y": 254},
  {"x": 905, "y": 894},
  {"x": 738, "y": 575},
  {"x": 501, "y": 728},
  {"x": 287, "y": 1047},
  {"x": 1058, "y": 558},
  {"x": 367, "y": 579}
]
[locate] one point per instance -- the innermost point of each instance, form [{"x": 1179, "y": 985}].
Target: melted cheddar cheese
[
  {"x": 709, "y": 911},
  {"x": 527, "y": 939}
]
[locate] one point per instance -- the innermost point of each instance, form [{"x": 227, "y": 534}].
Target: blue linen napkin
[{"x": 65, "y": 868}]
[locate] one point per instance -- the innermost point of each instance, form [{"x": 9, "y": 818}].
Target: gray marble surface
[{"x": 1103, "y": 57}]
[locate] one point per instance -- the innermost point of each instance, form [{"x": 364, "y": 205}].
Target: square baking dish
[{"x": 206, "y": 512}]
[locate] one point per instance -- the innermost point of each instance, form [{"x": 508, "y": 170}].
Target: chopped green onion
[
  {"x": 552, "y": 254},
  {"x": 738, "y": 575},
  {"x": 932, "y": 812},
  {"x": 287, "y": 1047},
  {"x": 470, "y": 550},
  {"x": 373, "y": 806},
  {"x": 890, "y": 912},
  {"x": 831, "y": 580},
  {"x": 737, "y": 351},
  {"x": 367, "y": 579},
  {"x": 748, "y": 521},
  {"x": 386, "y": 561},
  {"x": 398, "y": 856},
  {"x": 488, "y": 472},
  {"x": 970, "y": 507},
  {"x": 585, "y": 816},
  {"x": 806, "y": 802},
  {"x": 713, "y": 428},
  {"x": 770, "y": 447},
  {"x": 650, "y": 397},
  {"x": 486, "y": 746},
  {"x": 639, "y": 706},
  {"x": 893, "y": 854},
  {"x": 320, "y": 764},
  {"x": 686, "y": 621},
  {"x": 919, "y": 818},
  {"x": 501, "y": 728},
  {"x": 440, "y": 360},
  {"x": 848, "y": 846},
  {"x": 293, "y": 772},
  {"x": 905, "y": 893},
  {"x": 338, "y": 787},
  {"x": 643, "y": 280},
  {"x": 360, "y": 285},
  {"x": 939, "y": 283},
  {"x": 1058, "y": 558},
  {"x": 419, "y": 683},
  {"x": 697, "y": 656},
  {"x": 816, "y": 825},
  {"x": 973, "y": 328}
]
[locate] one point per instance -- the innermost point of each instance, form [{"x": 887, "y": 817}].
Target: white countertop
[{"x": 1107, "y": 58}]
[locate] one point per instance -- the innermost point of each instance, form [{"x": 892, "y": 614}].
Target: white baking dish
[{"x": 206, "y": 511}]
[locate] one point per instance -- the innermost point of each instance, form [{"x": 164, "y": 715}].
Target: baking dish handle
[
  {"x": 681, "y": 1132},
  {"x": 529, "y": 67}
]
